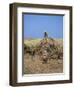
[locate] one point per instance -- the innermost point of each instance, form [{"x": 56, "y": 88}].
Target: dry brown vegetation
[{"x": 34, "y": 62}]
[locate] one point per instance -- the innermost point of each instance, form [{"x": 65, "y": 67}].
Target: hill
[{"x": 43, "y": 56}]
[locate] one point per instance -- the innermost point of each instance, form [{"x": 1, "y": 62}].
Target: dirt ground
[{"x": 34, "y": 65}]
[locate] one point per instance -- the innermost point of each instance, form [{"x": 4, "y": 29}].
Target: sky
[{"x": 36, "y": 25}]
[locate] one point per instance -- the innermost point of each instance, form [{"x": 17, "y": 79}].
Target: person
[{"x": 45, "y": 35}]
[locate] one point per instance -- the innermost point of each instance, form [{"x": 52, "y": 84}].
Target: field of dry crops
[{"x": 34, "y": 64}]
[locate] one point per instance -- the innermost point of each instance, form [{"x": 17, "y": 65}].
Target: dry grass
[
  {"x": 33, "y": 65},
  {"x": 32, "y": 42}
]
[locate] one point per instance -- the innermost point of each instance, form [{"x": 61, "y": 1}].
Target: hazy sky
[{"x": 36, "y": 25}]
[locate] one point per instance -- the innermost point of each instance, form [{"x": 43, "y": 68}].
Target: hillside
[{"x": 43, "y": 56}]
